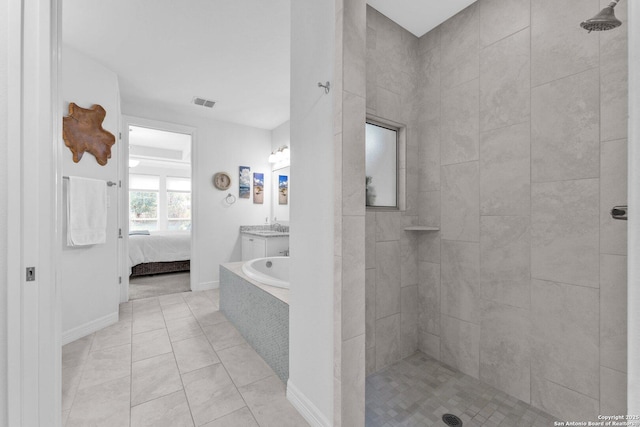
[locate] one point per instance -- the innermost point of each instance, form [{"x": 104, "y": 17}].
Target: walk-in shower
[{"x": 604, "y": 20}]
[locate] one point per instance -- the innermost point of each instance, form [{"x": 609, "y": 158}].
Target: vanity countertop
[
  {"x": 266, "y": 233},
  {"x": 265, "y": 230}
]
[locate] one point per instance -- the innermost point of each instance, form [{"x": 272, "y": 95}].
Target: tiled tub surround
[
  {"x": 261, "y": 314},
  {"x": 519, "y": 118}
]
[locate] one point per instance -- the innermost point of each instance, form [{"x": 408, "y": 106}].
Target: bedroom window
[
  {"x": 143, "y": 202},
  {"x": 178, "y": 203}
]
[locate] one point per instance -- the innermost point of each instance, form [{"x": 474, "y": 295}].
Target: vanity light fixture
[{"x": 282, "y": 154}]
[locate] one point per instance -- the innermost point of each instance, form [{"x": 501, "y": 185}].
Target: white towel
[{"x": 86, "y": 211}]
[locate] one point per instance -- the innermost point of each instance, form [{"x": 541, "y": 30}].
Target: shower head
[{"x": 603, "y": 21}]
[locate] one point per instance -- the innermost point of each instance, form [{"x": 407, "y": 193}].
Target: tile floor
[
  {"x": 172, "y": 361},
  {"x": 418, "y": 390}
]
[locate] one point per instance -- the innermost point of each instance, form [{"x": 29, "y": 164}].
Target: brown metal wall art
[{"x": 82, "y": 131}]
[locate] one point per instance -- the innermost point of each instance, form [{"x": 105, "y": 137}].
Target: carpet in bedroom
[{"x": 158, "y": 284}]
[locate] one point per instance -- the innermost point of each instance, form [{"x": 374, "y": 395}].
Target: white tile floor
[{"x": 171, "y": 361}]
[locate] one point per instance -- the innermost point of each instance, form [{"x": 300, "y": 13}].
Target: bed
[{"x": 159, "y": 252}]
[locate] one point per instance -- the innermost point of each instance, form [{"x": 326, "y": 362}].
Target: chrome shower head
[{"x": 603, "y": 21}]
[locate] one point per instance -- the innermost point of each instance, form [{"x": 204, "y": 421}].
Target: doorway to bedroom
[{"x": 159, "y": 209}]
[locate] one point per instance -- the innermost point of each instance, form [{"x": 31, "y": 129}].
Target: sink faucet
[{"x": 285, "y": 252}]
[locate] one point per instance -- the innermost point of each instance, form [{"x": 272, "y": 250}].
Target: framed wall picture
[
  {"x": 258, "y": 188},
  {"x": 283, "y": 190},
  {"x": 244, "y": 182}
]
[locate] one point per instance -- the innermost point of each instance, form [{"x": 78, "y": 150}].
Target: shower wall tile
[
  {"x": 409, "y": 321},
  {"x": 429, "y": 208},
  {"x": 505, "y": 83},
  {"x": 614, "y": 64},
  {"x": 429, "y": 344},
  {"x": 353, "y": 165},
  {"x": 613, "y": 392},
  {"x": 353, "y": 381},
  {"x": 387, "y": 341},
  {"x": 387, "y": 279},
  {"x": 389, "y": 105},
  {"x": 429, "y": 247},
  {"x": 429, "y": 298},
  {"x": 565, "y": 335},
  {"x": 370, "y": 360},
  {"x": 460, "y": 345},
  {"x": 354, "y": 45},
  {"x": 337, "y": 194},
  {"x": 559, "y": 47},
  {"x": 429, "y": 41},
  {"x": 353, "y": 277},
  {"x": 613, "y": 192},
  {"x": 562, "y": 402},
  {"x": 408, "y": 259},
  {"x": 521, "y": 120},
  {"x": 460, "y": 123},
  {"x": 460, "y": 218},
  {"x": 370, "y": 240},
  {"x": 429, "y": 156},
  {"x": 505, "y": 252},
  {"x": 564, "y": 232},
  {"x": 460, "y": 271},
  {"x": 370, "y": 309},
  {"x": 501, "y": 18},
  {"x": 460, "y": 39},
  {"x": 388, "y": 226},
  {"x": 429, "y": 86},
  {"x": 505, "y": 355},
  {"x": 613, "y": 312},
  {"x": 565, "y": 134},
  {"x": 505, "y": 177}
]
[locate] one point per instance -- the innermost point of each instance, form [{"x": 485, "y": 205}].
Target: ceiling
[
  {"x": 233, "y": 52},
  {"x": 236, "y": 53},
  {"x": 419, "y": 16}
]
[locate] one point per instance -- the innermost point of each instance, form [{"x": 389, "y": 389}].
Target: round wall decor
[{"x": 222, "y": 180}]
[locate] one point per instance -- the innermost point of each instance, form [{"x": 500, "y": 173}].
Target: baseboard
[
  {"x": 304, "y": 406},
  {"x": 89, "y": 328},
  {"x": 204, "y": 286}
]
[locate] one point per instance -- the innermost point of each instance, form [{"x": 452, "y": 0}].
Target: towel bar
[{"x": 109, "y": 183}]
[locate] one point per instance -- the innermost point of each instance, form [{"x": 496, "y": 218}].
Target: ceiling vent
[{"x": 203, "y": 102}]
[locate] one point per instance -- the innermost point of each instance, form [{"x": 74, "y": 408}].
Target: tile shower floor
[
  {"x": 172, "y": 361},
  {"x": 418, "y": 390}
]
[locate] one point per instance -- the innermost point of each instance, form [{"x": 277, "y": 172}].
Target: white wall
[
  {"x": 312, "y": 232},
  {"x": 89, "y": 274},
  {"x": 3, "y": 213},
  {"x": 280, "y": 136},
  {"x": 220, "y": 147}
]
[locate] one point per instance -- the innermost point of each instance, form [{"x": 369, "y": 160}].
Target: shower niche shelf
[{"x": 421, "y": 228}]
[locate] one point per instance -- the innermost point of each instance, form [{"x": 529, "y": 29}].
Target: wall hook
[{"x": 326, "y": 86}]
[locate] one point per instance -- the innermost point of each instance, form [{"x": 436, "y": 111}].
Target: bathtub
[{"x": 273, "y": 271}]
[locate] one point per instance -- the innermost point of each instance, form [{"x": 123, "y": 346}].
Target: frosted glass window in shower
[{"x": 381, "y": 166}]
